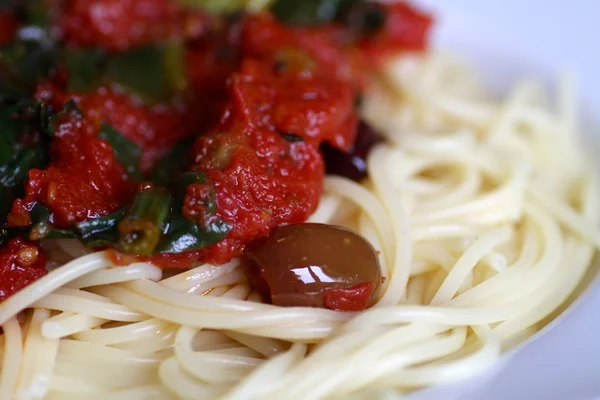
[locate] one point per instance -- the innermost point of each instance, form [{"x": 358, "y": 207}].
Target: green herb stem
[{"x": 141, "y": 228}]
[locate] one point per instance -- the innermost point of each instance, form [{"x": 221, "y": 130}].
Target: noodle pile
[{"x": 486, "y": 218}]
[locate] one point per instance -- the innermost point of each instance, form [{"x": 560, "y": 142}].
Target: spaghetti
[{"x": 486, "y": 218}]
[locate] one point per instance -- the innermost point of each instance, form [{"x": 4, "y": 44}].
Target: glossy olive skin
[
  {"x": 314, "y": 265},
  {"x": 352, "y": 164}
]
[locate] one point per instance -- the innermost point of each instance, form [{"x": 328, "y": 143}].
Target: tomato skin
[
  {"x": 261, "y": 179},
  {"x": 355, "y": 298},
  {"x": 266, "y": 182},
  {"x": 406, "y": 29},
  {"x": 317, "y": 108},
  {"x": 264, "y": 38},
  {"x": 122, "y": 24},
  {"x": 21, "y": 263}
]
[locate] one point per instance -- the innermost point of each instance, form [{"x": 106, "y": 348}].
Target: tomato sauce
[
  {"x": 21, "y": 263},
  {"x": 260, "y": 99},
  {"x": 84, "y": 180},
  {"x": 122, "y": 24},
  {"x": 154, "y": 128}
]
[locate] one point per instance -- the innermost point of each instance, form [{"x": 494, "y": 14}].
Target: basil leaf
[
  {"x": 18, "y": 170},
  {"x": 42, "y": 228},
  {"x": 173, "y": 61},
  {"x": 23, "y": 146},
  {"x": 310, "y": 12},
  {"x": 141, "y": 71},
  {"x": 70, "y": 108},
  {"x": 153, "y": 72},
  {"x": 10, "y": 124},
  {"x": 186, "y": 179},
  {"x": 185, "y": 235},
  {"x": 86, "y": 69},
  {"x": 103, "y": 227},
  {"x": 127, "y": 152},
  {"x": 25, "y": 61},
  {"x": 171, "y": 165}
]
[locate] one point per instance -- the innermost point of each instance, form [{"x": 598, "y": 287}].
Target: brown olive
[
  {"x": 352, "y": 164},
  {"x": 314, "y": 265}
]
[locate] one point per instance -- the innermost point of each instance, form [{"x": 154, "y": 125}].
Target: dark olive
[
  {"x": 364, "y": 18},
  {"x": 352, "y": 164},
  {"x": 314, "y": 265}
]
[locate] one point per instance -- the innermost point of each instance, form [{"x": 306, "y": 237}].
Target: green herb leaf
[
  {"x": 185, "y": 235},
  {"x": 153, "y": 72},
  {"x": 173, "y": 60},
  {"x": 42, "y": 228},
  {"x": 171, "y": 165},
  {"x": 86, "y": 69},
  {"x": 127, "y": 152},
  {"x": 100, "y": 232},
  {"x": 23, "y": 146},
  {"x": 186, "y": 179},
  {"x": 70, "y": 108},
  {"x": 142, "y": 71},
  {"x": 25, "y": 61},
  {"x": 310, "y": 12}
]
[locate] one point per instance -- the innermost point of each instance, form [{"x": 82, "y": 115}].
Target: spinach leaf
[
  {"x": 94, "y": 233},
  {"x": 85, "y": 69},
  {"x": 186, "y": 235},
  {"x": 23, "y": 146},
  {"x": 190, "y": 178},
  {"x": 100, "y": 232},
  {"x": 142, "y": 71},
  {"x": 127, "y": 152},
  {"x": 153, "y": 72},
  {"x": 27, "y": 59},
  {"x": 69, "y": 109},
  {"x": 310, "y": 12},
  {"x": 173, "y": 63},
  {"x": 171, "y": 165},
  {"x": 42, "y": 228},
  {"x": 183, "y": 234}
]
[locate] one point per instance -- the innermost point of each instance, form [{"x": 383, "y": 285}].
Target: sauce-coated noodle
[{"x": 486, "y": 218}]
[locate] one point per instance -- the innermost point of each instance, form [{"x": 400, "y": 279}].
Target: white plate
[{"x": 510, "y": 39}]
